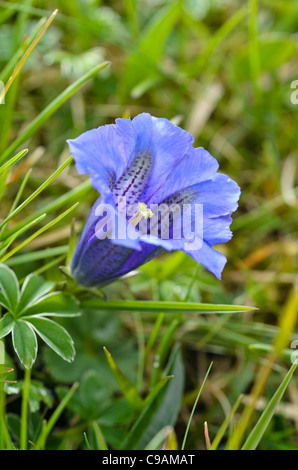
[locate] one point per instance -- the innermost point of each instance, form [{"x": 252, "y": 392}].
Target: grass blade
[
  {"x": 37, "y": 255},
  {"x": 194, "y": 407},
  {"x": 128, "y": 389},
  {"x": 15, "y": 203},
  {"x": 153, "y": 306},
  {"x": 77, "y": 194},
  {"x": 26, "y": 55},
  {"x": 223, "y": 428},
  {"x": 261, "y": 426},
  {"x": 5, "y": 244},
  {"x": 37, "y": 192},
  {"x": 36, "y": 234},
  {"x": 51, "y": 108},
  {"x": 53, "y": 419},
  {"x": 13, "y": 160}
]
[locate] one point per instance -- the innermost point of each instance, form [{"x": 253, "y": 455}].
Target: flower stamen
[{"x": 142, "y": 211}]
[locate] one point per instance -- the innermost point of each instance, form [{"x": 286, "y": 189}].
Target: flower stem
[
  {"x": 24, "y": 410},
  {"x": 5, "y": 440}
]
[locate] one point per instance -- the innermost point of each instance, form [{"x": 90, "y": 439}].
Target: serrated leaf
[
  {"x": 54, "y": 304},
  {"x": 24, "y": 342},
  {"x": 9, "y": 286},
  {"x": 55, "y": 336},
  {"x": 6, "y": 324},
  {"x": 34, "y": 288}
]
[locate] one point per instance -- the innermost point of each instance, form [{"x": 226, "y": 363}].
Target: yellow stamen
[{"x": 142, "y": 211}]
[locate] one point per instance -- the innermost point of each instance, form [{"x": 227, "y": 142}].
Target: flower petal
[
  {"x": 197, "y": 165},
  {"x": 217, "y": 230},
  {"x": 213, "y": 260},
  {"x": 104, "y": 153},
  {"x": 219, "y": 195}
]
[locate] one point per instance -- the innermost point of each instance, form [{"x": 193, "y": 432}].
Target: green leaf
[
  {"x": 142, "y": 64},
  {"x": 160, "y": 306},
  {"x": 93, "y": 392},
  {"x": 6, "y": 324},
  {"x": 53, "y": 419},
  {"x": 154, "y": 390},
  {"x": 8, "y": 241},
  {"x": 269, "y": 348},
  {"x": 24, "y": 342},
  {"x": 162, "y": 410},
  {"x": 153, "y": 41},
  {"x": 75, "y": 194},
  {"x": 15, "y": 203},
  {"x": 194, "y": 407},
  {"x": 51, "y": 108},
  {"x": 10, "y": 287},
  {"x": 128, "y": 389},
  {"x": 99, "y": 437},
  {"x": 275, "y": 50},
  {"x": 163, "y": 348},
  {"x": 38, "y": 232},
  {"x": 39, "y": 394},
  {"x": 13, "y": 160},
  {"x": 41, "y": 188},
  {"x": 55, "y": 304},
  {"x": 55, "y": 336},
  {"x": 3, "y": 301},
  {"x": 33, "y": 288},
  {"x": 216, "y": 441},
  {"x": 261, "y": 426},
  {"x": 216, "y": 40},
  {"x": 28, "y": 257}
]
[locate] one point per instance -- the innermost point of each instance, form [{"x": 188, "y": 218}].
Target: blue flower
[{"x": 137, "y": 166}]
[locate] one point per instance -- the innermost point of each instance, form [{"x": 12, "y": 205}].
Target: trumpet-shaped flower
[{"x": 157, "y": 193}]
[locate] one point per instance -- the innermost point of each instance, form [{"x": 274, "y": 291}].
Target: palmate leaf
[
  {"x": 55, "y": 336},
  {"x": 9, "y": 287},
  {"x": 26, "y": 315},
  {"x": 24, "y": 342},
  {"x": 54, "y": 304},
  {"x": 34, "y": 287},
  {"x": 6, "y": 324}
]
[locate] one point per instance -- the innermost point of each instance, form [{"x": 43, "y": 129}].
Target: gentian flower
[{"x": 137, "y": 165}]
